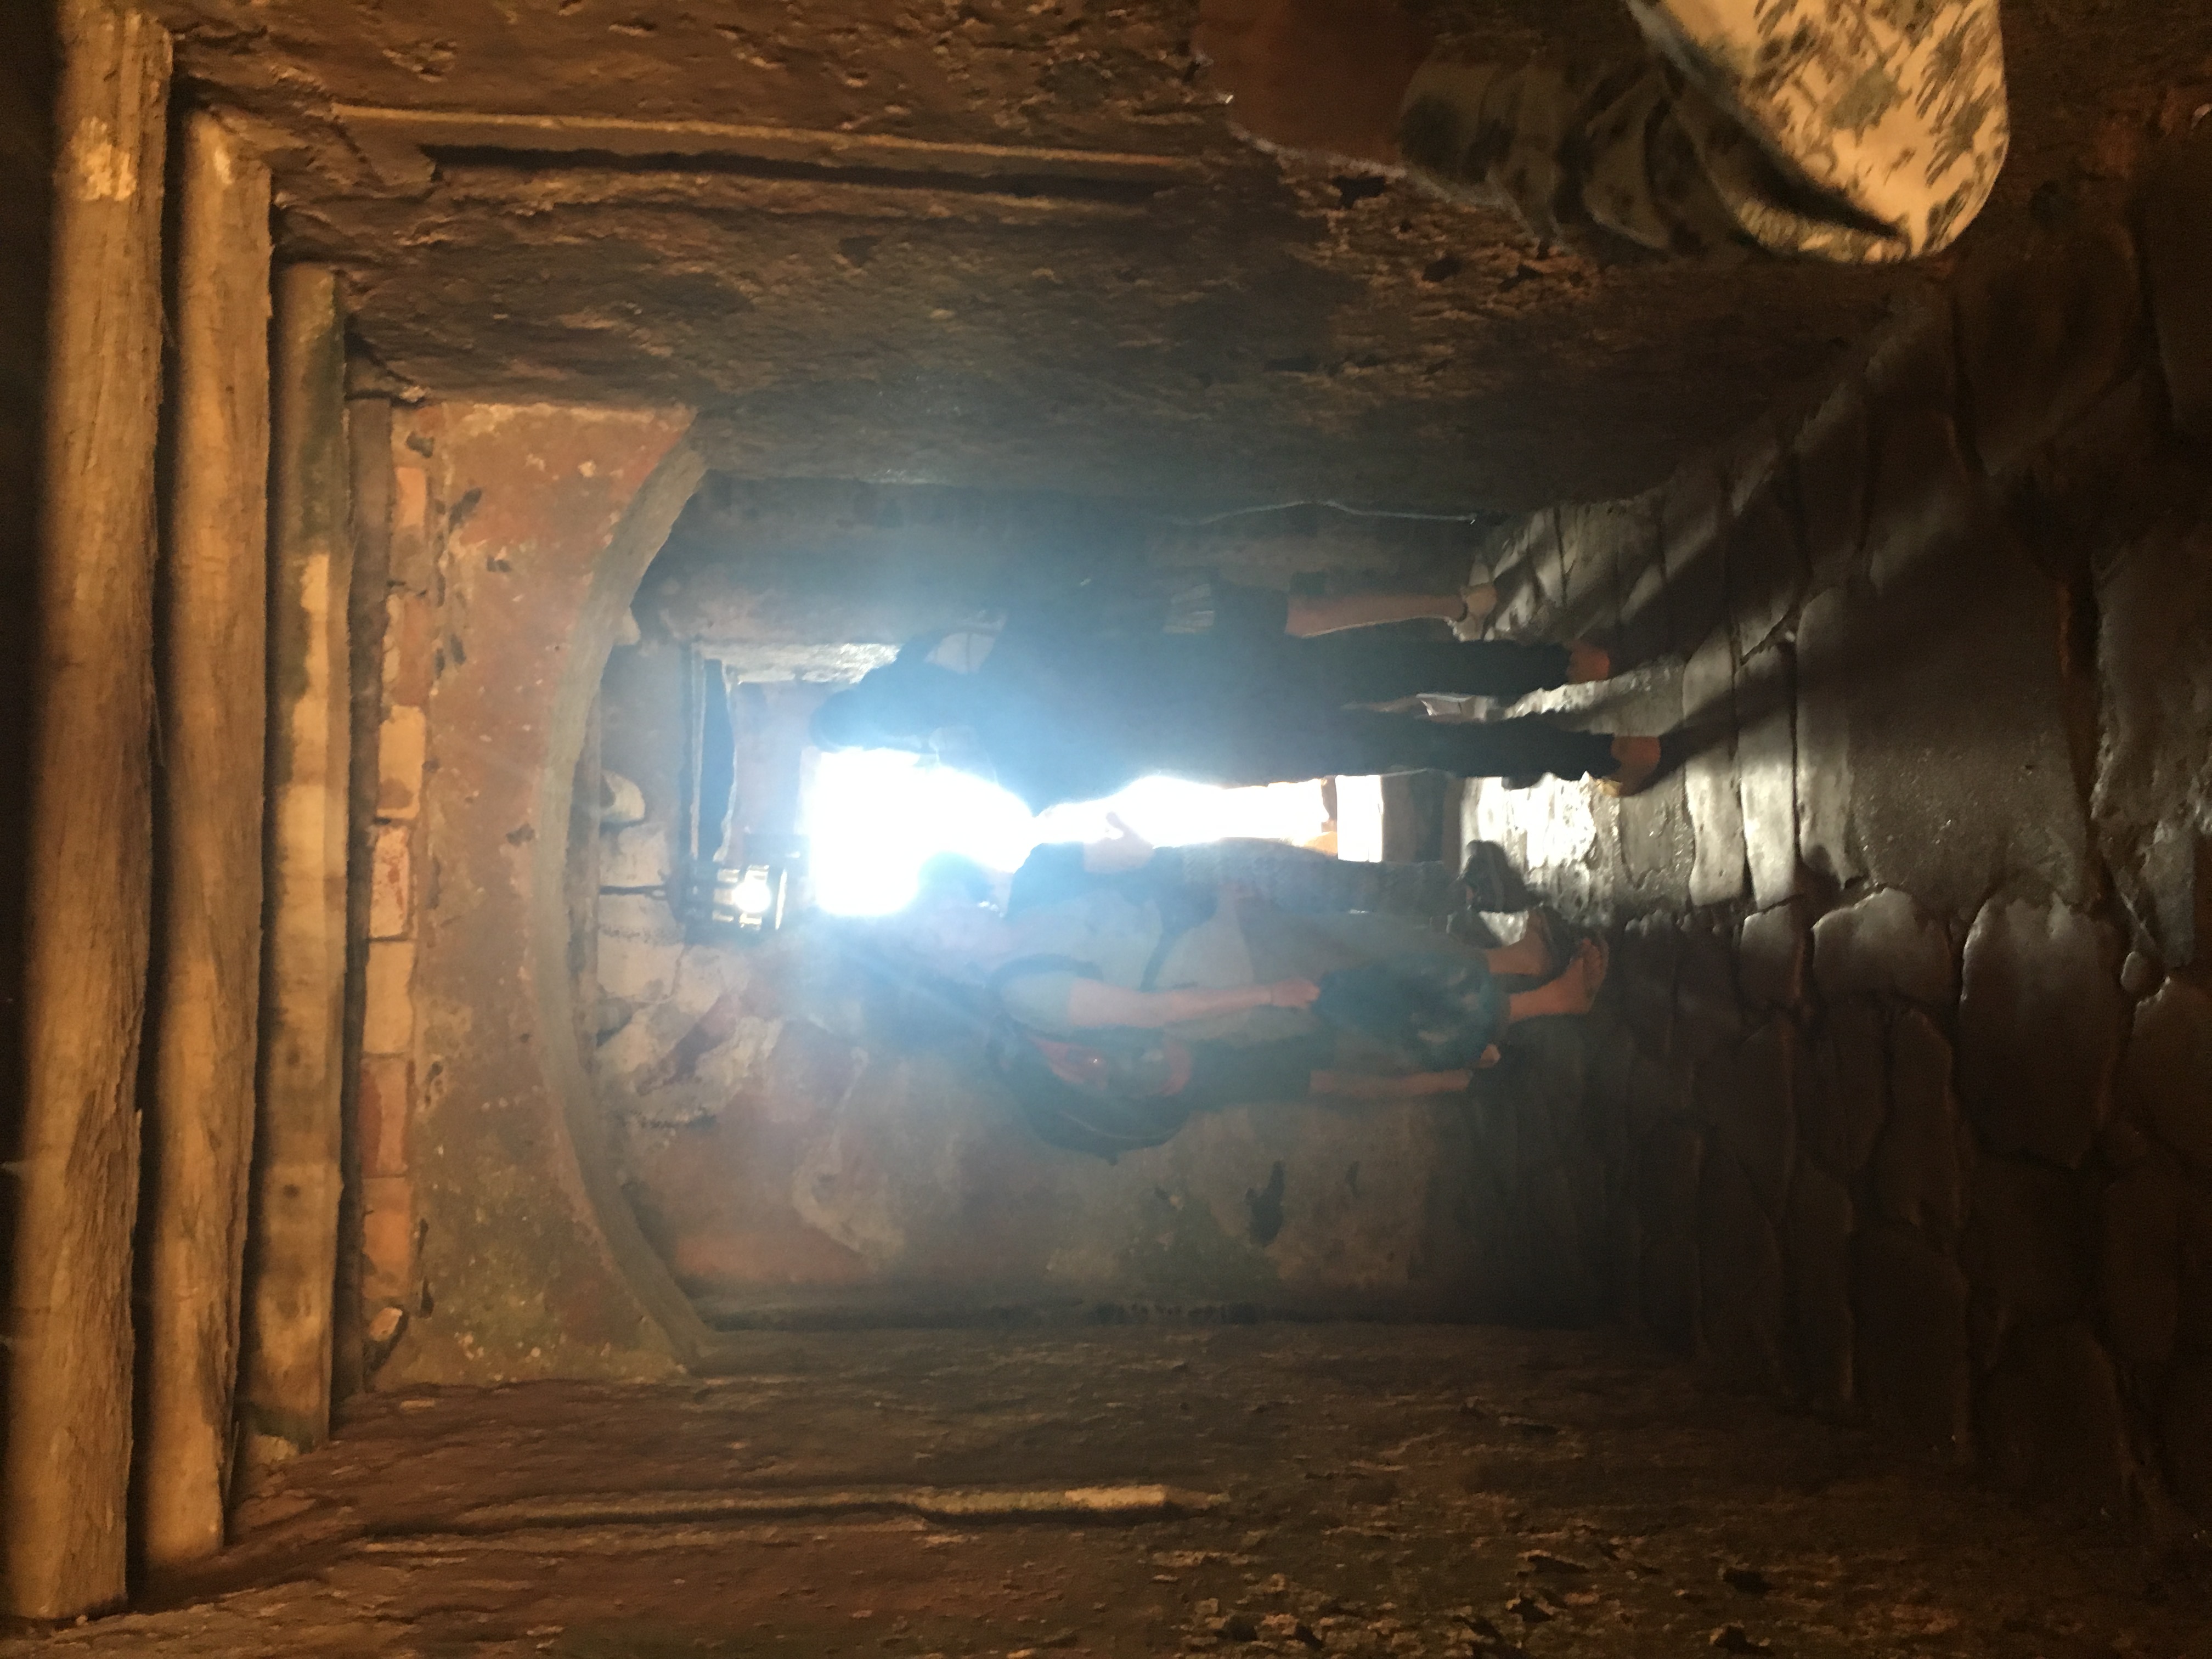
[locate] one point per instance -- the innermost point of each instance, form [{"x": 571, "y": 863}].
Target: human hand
[
  {"x": 1324, "y": 76},
  {"x": 1293, "y": 993}
]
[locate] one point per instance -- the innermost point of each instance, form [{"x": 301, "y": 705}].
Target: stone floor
[{"x": 1346, "y": 1489}]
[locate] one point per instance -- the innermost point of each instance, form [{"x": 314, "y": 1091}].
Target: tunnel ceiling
[{"x": 854, "y": 236}]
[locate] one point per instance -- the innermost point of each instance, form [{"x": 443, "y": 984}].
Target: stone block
[
  {"x": 414, "y": 548},
  {"x": 1669, "y": 1169},
  {"x": 1909, "y": 1362},
  {"x": 1692, "y": 529},
  {"x": 2168, "y": 1074},
  {"x": 2025, "y": 1251},
  {"x": 2041, "y": 335},
  {"x": 1833, "y": 455},
  {"x": 1716, "y": 876},
  {"x": 1750, "y": 1102},
  {"x": 1766, "y": 771},
  {"x": 2105, "y": 480},
  {"x": 1884, "y": 945},
  {"x": 1647, "y": 958},
  {"x": 1598, "y": 542},
  {"x": 411, "y": 630},
  {"x": 385, "y": 1098},
  {"x": 2152, "y": 801},
  {"x": 2053, "y": 1426},
  {"x": 1816, "y": 1241},
  {"x": 1827, "y": 632},
  {"x": 2176, "y": 225},
  {"x": 1708, "y": 1016},
  {"x": 2185, "y": 1433},
  {"x": 1740, "y": 1271},
  {"x": 1765, "y": 564},
  {"x": 1844, "y": 1099},
  {"x": 2139, "y": 1263},
  {"x": 2038, "y": 1028},
  {"x": 388, "y": 1011},
  {"x": 1524, "y": 560},
  {"x": 1911, "y": 365},
  {"x": 1925, "y": 501},
  {"x": 1920, "y": 1162},
  {"x": 1658, "y": 1091},
  {"x": 1949, "y": 786},
  {"x": 1771, "y": 955},
  {"x": 387, "y": 1235},
  {"x": 1646, "y": 629},
  {"x": 401, "y": 746},
  {"x": 640, "y": 947},
  {"x": 390, "y": 881},
  {"x": 635, "y": 856}
]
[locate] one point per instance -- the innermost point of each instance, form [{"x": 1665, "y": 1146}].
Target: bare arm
[
  {"x": 1309, "y": 617},
  {"x": 1092, "y": 1004}
]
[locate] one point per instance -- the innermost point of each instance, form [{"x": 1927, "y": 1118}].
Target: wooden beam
[
  {"x": 214, "y": 720},
  {"x": 65, "y": 1478},
  {"x": 292, "y": 1250}
]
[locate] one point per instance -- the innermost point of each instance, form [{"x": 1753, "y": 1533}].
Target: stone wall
[{"x": 1900, "y": 1098}]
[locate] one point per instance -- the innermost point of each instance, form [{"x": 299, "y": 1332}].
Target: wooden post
[
  {"x": 369, "y": 431},
  {"x": 292, "y": 1249},
  {"x": 67, "y": 1469},
  {"x": 208, "y": 958}
]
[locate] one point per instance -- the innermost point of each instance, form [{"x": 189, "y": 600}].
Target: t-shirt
[{"x": 1118, "y": 938}]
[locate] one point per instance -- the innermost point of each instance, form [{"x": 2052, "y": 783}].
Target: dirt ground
[{"x": 1358, "y": 1489}]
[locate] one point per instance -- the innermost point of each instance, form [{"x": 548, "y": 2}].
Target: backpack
[{"x": 1115, "y": 1091}]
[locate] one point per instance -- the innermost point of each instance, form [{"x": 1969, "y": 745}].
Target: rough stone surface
[
  {"x": 2041, "y": 336},
  {"x": 1668, "y": 1177},
  {"x": 2177, "y": 248},
  {"x": 2152, "y": 805},
  {"x": 1748, "y": 1099},
  {"x": 1910, "y": 1361},
  {"x": 1570, "y": 1487},
  {"x": 1741, "y": 1291},
  {"x": 2053, "y": 1423},
  {"x": 832, "y": 310},
  {"x": 1922, "y": 1161},
  {"x": 2025, "y": 1249},
  {"x": 1816, "y": 1238},
  {"x": 2139, "y": 1262},
  {"x": 2038, "y": 1028},
  {"x": 1708, "y": 1017},
  {"x": 2186, "y": 1425},
  {"x": 2168, "y": 1074},
  {"x": 1884, "y": 945},
  {"x": 1845, "y": 1101},
  {"x": 1766, "y": 771},
  {"x": 1772, "y": 952},
  {"x": 1715, "y": 806}
]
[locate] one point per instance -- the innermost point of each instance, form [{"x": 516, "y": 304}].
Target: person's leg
[
  {"x": 1368, "y": 743},
  {"x": 1368, "y": 668}
]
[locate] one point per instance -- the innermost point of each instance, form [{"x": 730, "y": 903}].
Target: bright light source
[{"x": 873, "y": 817}]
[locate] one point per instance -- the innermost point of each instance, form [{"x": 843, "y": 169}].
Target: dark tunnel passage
[{"x": 833, "y": 838}]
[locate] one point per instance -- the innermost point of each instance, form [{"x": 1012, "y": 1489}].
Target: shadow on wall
[{"x": 1899, "y": 1100}]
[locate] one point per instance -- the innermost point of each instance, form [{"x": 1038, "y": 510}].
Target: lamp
[{"x": 752, "y": 898}]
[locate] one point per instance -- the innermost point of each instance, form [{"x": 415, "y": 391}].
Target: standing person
[
  {"x": 1065, "y": 703},
  {"x": 1857, "y": 131}
]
